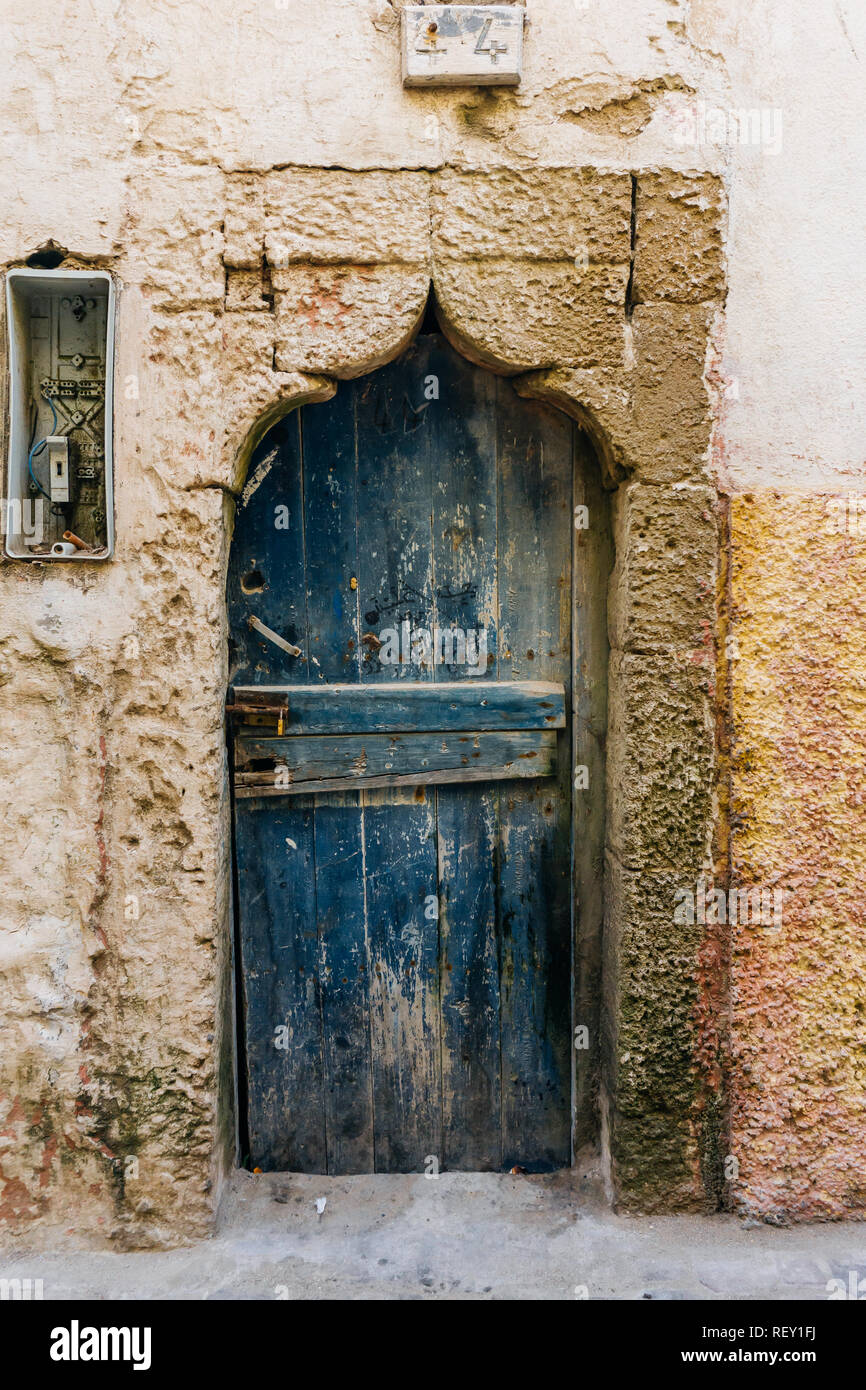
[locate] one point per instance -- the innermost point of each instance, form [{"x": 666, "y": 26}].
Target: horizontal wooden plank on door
[
  {"x": 297, "y": 765},
  {"x": 406, "y": 707}
]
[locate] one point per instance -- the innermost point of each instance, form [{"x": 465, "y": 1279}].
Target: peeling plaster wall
[{"x": 179, "y": 147}]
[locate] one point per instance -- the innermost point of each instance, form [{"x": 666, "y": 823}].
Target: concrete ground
[{"x": 459, "y": 1236}]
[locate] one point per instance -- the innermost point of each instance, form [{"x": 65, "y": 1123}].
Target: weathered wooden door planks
[{"x": 405, "y": 947}]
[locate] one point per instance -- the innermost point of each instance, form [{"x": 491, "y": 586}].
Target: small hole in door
[{"x": 253, "y": 583}]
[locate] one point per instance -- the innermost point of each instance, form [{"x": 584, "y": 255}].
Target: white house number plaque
[{"x": 462, "y": 45}]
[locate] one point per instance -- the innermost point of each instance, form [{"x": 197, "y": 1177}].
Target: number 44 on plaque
[{"x": 462, "y": 45}]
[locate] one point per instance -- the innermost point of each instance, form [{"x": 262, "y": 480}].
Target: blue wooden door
[{"x": 399, "y": 596}]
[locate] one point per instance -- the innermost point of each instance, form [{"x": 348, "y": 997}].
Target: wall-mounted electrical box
[{"x": 59, "y": 492}]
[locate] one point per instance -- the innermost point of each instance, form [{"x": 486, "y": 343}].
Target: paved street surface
[{"x": 461, "y": 1235}]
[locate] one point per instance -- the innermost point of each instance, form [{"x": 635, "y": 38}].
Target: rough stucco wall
[
  {"x": 117, "y": 872},
  {"x": 176, "y": 174},
  {"x": 798, "y": 1021}
]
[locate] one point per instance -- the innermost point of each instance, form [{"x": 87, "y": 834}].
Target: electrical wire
[{"x": 38, "y": 447}]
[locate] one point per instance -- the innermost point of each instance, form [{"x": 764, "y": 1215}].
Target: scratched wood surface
[
  {"x": 412, "y": 940},
  {"x": 324, "y": 764}
]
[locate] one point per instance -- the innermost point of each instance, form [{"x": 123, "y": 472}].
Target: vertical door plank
[
  {"x": 331, "y": 543},
  {"x": 330, "y": 530},
  {"x": 463, "y": 438},
  {"x": 395, "y": 580},
  {"x": 279, "y": 959},
  {"x": 275, "y": 847},
  {"x": 469, "y": 973},
  {"x": 400, "y": 842},
  {"x": 266, "y": 566},
  {"x": 343, "y": 971},
  {"x": 535, "y": 524},
  {"x": 396, "y": 586}
]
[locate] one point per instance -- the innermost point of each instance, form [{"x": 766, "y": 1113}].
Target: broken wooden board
[{"x": 320, "y": 763}]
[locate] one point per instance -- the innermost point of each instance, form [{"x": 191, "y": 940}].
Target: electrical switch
[{"x": 57, "y": 447}]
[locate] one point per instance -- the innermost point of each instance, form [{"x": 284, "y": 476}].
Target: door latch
[
  {"x": 272, "y": 636},
  {"x": 281, "y": 713}
]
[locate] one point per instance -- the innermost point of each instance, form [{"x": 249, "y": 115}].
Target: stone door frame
[{"x": 600, "y": 293}]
